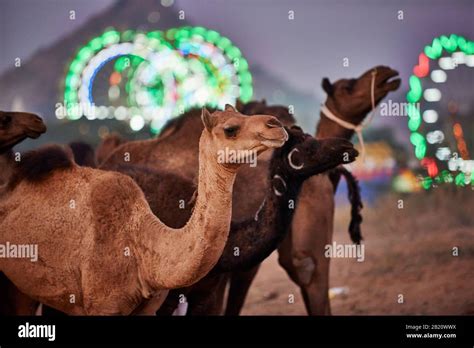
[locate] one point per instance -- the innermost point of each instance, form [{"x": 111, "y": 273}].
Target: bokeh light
[{"x": 156, "y": 75}]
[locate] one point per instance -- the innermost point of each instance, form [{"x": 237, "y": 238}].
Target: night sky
[{"x": 301, "y": 51}]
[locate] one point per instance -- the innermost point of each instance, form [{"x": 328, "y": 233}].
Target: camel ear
[
  {"x": 327, "y": 86},
  {"x": 264, "y": 102},
  {"x": 229, "y": 107},
  {"x": 208, "y": 119}
]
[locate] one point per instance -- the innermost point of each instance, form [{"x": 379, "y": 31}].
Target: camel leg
[
  {"x": 204, "y": 302},
  {"x": 316, "y": 292},
  {"x": 302, "y": 253},
  {"x": 239, "y": 286}
]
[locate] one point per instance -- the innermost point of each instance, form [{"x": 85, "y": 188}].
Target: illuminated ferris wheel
[
  {"x": 151, "y": 77},
  {"x": 437, "y": 133}
]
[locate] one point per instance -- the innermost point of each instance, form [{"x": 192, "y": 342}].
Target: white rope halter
[{"x": 356, "y": 128}]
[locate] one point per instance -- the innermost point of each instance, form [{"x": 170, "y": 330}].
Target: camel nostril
[{"x": 274, "y": 123}]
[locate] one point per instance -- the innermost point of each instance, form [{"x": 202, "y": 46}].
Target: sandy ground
[{"x": 408, "y": 251}]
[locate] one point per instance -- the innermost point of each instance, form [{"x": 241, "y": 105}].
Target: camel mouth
[
  {"x": 34, "y": 134},
  {"x": 347, "y": 153},
  {"x": 345, "y": 156},
  {"x": 273, "y": 142},
  {"x": 352, "y": 153},
  {"x": 389, "y": 81}
]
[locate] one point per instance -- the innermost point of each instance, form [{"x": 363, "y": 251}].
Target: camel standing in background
[
  {"x": 108, "y": 254},
  {"x": 302, "y": 252},
  {"x": 14, "y": 128}
]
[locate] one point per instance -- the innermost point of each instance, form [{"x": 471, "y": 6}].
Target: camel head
[
  {"x": 303, "y": 155},
  {"x": 17, "y": 126},
  {"x": 260, "y": 107},
  {"x": 237, "y": 139},
  {"x": 351, "y": 99}
]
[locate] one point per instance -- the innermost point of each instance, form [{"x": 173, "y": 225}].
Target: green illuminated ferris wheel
[{"x": 151, "y": 77}]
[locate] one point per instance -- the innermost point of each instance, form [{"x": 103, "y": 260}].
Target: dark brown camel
[{"x": 302, "y": 253}]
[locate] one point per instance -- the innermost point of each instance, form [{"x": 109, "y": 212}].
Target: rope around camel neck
[{"x": 356, "y": 128}]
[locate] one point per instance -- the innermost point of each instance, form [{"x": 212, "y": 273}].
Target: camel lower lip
[
  {"x": 273, "y": 143},
  {"x": 392, "y": 84},
  {"x": 34, "y": 135},
  {"x": 388, "y": 78}
]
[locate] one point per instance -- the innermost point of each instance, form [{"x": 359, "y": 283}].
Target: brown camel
[
  {"x": 302, "y": 253},
  {"x": 17, "y": 126},
  {"x": 14, "y": 128},
  {"x": 105, "y": 252}
]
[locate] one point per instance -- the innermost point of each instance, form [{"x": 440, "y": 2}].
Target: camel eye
[
  {"x": 5, "y": 120},
  {"x": 231, "y": 131}
]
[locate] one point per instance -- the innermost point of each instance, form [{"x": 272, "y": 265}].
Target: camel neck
[
  {"x": 328, "y": 128},
  {"x": 180, "y": 257}
]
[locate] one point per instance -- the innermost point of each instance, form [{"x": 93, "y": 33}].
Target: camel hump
[
  {"x": 36, "y": 165},
  {"x": 115, "y": 200}
]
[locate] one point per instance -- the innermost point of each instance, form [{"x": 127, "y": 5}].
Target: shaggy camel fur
[
  {"x": 302, "y": 252},
  {"x": 105, "y": 252}
]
